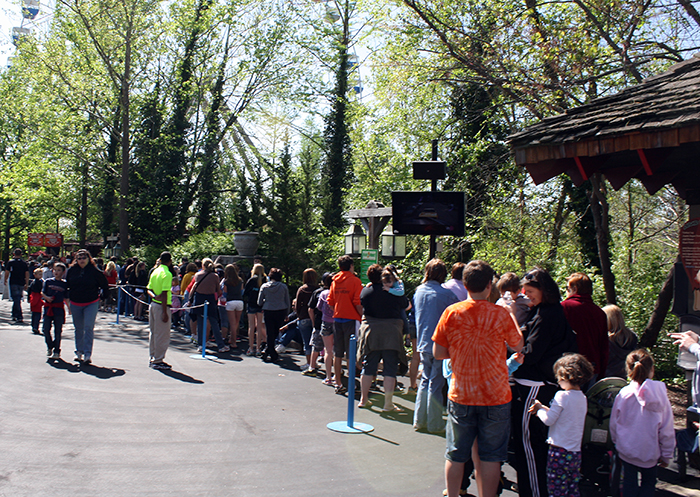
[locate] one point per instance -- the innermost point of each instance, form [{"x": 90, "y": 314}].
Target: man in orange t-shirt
[
  {"x": 344, "y": 299},
  {"x": 473, "y": 334}
]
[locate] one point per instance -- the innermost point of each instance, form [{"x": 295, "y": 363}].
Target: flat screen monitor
[{"x": 428, "y": 213}]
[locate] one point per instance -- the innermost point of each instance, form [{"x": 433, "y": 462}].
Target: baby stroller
[{"x": 597, "y": 447}]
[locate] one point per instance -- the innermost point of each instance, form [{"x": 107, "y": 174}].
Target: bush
[{"x": 201, "y": 245}]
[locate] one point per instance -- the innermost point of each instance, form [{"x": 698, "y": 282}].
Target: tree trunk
[
  {"x": 658, "y": 315},
  {"x": 521, "y": 235},
  {"x": 82, "y": 213},
  {"x": 559, "y": 217},
  {"x": 599, "y": 208},
  {"x": 6, "y": 245},
  {"x": 125, "y": 142}
]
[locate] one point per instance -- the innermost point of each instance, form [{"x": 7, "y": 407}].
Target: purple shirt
[{"x": 457, "y": 288}]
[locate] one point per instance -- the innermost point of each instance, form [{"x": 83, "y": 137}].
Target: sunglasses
[
  {"x": 531, "y": 279},
  {"x": 81, "y": 257}
]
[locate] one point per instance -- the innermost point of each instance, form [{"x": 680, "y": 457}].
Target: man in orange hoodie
[{"x": 344, "y": 299}]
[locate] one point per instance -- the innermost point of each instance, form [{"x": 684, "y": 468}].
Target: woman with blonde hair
[
  {"x": 255, "y": 312},
  {"x": 622, "y": 342}
]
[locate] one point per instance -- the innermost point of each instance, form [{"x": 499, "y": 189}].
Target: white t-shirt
[{"x": 565, "y": 418}]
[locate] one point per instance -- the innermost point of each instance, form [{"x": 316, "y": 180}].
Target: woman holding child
[{"x": 381, "y": 334}]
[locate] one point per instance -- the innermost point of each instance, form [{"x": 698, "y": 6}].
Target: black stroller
[{"x": 597, "y": 451}]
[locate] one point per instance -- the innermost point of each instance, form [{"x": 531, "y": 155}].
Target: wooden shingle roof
[{"x": 650, "y": 131}]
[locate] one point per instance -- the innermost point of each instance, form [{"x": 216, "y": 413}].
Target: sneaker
[
  {"x": 56, "y": 355},
  {"x": 78, "y": 357},
  {"x": 250, "y": 352},
  {"x": 309, "y": 372},
  {"x": 87, "y": 359},
  {"x": 20, "y": 321},
  {"x": 49, "y": 352},
  {"x": 280, "y": 349},
  {"x": 160, "y": 365},
  {"x": 225, "y": 348}
]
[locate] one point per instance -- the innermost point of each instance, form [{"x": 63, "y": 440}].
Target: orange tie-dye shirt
[{"x": 475, "y": 332}]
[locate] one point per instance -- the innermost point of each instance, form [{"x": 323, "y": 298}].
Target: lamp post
[
  {"x": 355, "y": 240},
  {"x": 393, "y": 246}
]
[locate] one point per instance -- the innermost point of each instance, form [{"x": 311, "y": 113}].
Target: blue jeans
[
  {"x": 630, "y": 486},
  {"x": 215, "y": 330},
  {"x": 306, "y": 327},
  {"x": 16, "y": 294},
  {"x": 84, "y": 323},
  {"x": 291, "y": 333},
  {"x": 429, "y": 398},
  {"x": 126, "y": 305}
]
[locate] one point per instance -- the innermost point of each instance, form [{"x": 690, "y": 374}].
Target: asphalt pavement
[{"x": 227, "y": 426}]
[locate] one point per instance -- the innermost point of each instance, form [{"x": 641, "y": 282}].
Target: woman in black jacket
[
  {"x": 547, "y": 337},
  {"x": 85, "y": 282}
]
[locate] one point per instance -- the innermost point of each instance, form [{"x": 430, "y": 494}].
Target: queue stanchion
[
  {"x": 350, "y": 426},
  {"x": 204, "y": 337}
]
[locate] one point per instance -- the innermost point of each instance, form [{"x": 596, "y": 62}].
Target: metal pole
[
  {"x": 352, "y": 359},
  {"x": 433, "y": 188}
]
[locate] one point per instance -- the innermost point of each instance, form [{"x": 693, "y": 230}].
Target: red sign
[
  {"x": 35, "y": 240},
  {"x": 689, "y": 248},
  {"x": 53, "y": 240}
]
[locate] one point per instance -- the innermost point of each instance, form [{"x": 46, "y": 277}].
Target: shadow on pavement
[
  {"x": 176, "y": 375},
  {"x": 100, "y": 372},
  {"x": 61, "y": 364}
]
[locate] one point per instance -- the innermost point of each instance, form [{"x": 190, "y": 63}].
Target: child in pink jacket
[{"x": 641, "y": 426}]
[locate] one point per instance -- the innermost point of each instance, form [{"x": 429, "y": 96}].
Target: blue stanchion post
[
  {"x": 203, "y": 337},
  {"x": 352, "y": 359},
  {"x": 350, "y": 426}
]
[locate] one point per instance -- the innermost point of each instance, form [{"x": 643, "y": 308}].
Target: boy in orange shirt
[
  {"x": 344, "y": 299},
  {"x": 473, "y": 334}
]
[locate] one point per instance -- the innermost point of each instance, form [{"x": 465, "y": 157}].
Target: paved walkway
[{"x": 234, "y": 426}]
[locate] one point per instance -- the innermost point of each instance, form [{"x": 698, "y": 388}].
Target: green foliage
[
  {"x": 336, "y": 165},
  {"x": 205, "y": 244}
]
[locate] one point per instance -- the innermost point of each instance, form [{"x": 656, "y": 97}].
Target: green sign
[{"x": 368, "y": 257}]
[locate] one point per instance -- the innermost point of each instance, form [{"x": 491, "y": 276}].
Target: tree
[{"x": 120, "y": 31}]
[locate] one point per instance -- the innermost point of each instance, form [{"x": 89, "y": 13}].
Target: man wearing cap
[{"x": 159, "y": 285}]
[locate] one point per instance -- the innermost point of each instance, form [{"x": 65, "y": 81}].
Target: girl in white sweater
[{"x": 566, "y": 417}]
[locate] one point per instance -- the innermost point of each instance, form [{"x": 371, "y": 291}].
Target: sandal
[
  {"x": 328, "y": 381},
  {"x": 340, "y": 390}
]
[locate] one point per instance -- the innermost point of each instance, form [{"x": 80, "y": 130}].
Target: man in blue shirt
[{"x": 430, "y": 300}]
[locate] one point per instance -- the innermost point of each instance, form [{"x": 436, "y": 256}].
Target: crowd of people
[{"x": 518, "y": 359}]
